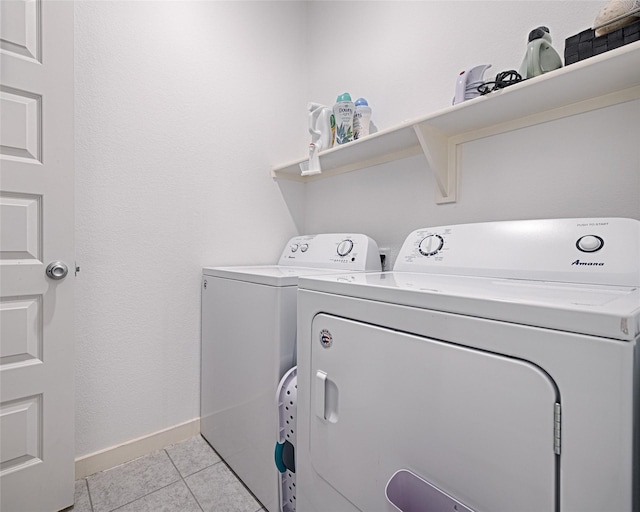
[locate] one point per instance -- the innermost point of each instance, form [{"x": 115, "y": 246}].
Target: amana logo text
[{"x": 588, "y": 263}]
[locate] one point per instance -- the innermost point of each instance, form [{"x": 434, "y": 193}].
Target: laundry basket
[{"x": 287, "y": 400}]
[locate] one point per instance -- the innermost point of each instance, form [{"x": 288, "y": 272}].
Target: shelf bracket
[{"x": 442, "y": 155}]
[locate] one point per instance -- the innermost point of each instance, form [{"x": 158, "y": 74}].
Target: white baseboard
[{"x": 116, "y": 455}]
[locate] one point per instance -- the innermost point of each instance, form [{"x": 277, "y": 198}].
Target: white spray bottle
[
  {"x": 321, "y": 129},
  {"x": 361, "y": 119}
]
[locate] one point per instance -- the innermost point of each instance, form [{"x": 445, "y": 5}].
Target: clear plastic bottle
[{"x": 361, "y": 119}]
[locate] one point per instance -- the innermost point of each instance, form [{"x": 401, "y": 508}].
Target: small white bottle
[
  {"x": 361, "y": 119},
  {"x": 343, "y": 111}
]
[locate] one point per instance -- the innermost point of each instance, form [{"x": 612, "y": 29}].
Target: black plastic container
[{"x": 585, "y": 44}]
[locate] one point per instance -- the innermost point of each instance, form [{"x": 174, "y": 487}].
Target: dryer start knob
[
  {"x": 590, "y": 243},
  {"x": 430, "y": 245}
]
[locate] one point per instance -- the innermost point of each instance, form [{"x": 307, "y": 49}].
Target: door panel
[
  {"x": 22, "y": 435},
  {"x": 20, "y": 331},
  {"x": 478, "y": 426},
  {"x": 36, "y": 228},
  {"x": 20, "y": 32},
  {"x": 20, "y": 132},
  {"x": 20, "y": 229}
]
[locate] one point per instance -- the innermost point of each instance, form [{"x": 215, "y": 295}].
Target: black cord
[{"x": 503, "y": 79}]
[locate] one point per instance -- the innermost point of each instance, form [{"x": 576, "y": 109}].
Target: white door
[
  {"x": 478, "y": 426},
  {"x": 36, "y": 228}
]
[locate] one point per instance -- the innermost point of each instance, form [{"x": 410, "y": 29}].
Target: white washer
[
  {"x": 496, "y": 369},
  {"x": 248, "y": 343}
]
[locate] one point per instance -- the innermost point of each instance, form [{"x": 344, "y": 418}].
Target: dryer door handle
[
  {"x": 326, "y": 398},
  {"x": 321, "y": 383}
]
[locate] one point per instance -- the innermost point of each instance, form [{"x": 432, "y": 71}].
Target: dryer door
[{"x": 476, "y": 425}]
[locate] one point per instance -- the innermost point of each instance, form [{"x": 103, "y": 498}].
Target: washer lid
[
  {"x": 599, "y": 310},
  {"x": 270, "y": 275}
]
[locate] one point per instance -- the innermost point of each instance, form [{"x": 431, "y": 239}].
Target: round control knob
[
  {"x": 345, "y": 247},
  {"x": 304, "y": 247},
  {"x": 590, "y": 243},
  {"x": 294, "y": 247},
  {"x": 430, "y": 245}
]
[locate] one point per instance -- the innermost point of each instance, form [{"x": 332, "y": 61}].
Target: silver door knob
[{"x": 57, "y": 270}]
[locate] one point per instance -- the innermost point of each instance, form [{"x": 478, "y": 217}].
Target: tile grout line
[
  {"x": 163, "y": 487},
  {"x": 241, "y": 482},
  {"x": 181, "y": 478},
  {"x": 86, "y": 482},
  {"x": 149, "y": 493},
  {"x": 184, "y": 481},
  {"x": 224, "y": 462}
]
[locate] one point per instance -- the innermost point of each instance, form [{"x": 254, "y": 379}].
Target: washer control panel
[
  {"x": 351, "y": 251},
  {"x": 592, "y": 250}
]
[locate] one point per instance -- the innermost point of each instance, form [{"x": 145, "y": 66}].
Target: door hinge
[{"x": 557, "y": 428}]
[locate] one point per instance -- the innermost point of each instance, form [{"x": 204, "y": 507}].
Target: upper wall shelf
[{"x": 597, "y": 82}]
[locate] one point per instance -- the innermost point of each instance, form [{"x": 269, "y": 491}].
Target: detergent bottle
[
  {"x": 361, "y": 119},
  {"x": 343, "y": 110}
]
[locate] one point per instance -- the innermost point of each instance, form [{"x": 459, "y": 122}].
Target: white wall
[
  {"x": 181, "y": 109},
  {"x": 405, "y": 56},
  {"x": 406, "y": 62}
]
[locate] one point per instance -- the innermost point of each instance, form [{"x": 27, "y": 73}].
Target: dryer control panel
[
  {"x": 351, "y": 251},
  {"x": 592, "y": 250}
]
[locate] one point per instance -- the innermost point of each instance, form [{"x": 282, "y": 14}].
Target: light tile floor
[{"x": 184, "y": 477}]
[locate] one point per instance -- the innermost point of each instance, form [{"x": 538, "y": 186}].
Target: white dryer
[
  {"x": 496, "y": 369},
  {"x": 248, "y": 343}
]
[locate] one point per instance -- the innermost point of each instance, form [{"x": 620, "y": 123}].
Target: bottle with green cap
[{"x": 343, "y": 112}]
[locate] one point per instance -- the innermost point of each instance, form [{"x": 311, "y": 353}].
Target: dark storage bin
[{"x": 585, "y": 44}]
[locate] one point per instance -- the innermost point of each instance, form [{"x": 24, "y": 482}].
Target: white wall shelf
[{"x": 601, "y": 81}]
